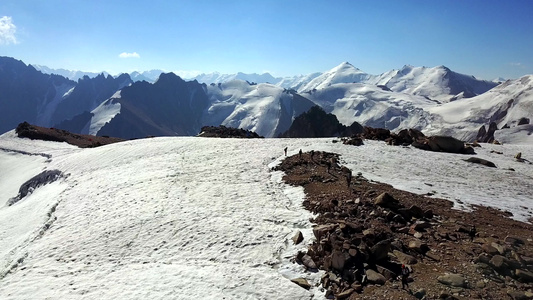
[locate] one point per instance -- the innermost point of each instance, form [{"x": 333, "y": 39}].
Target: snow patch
[{"x": 104, "y": 113}]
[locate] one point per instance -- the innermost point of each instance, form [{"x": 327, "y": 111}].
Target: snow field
[
  {"x": 165, "y": 218},
  {"x": 185, "y": 217}
]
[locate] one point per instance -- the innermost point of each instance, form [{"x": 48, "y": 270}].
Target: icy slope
[
  {"x": 343, "y": 73},
  {"x": 373, "y": 106},
  {"x": 162, "y": 218},
  {"x": 504, "y": 104},
  {"x": 199, "y": 218},
  {"x": 265, "y": 109},
  {"x": 437, "y": 83}
]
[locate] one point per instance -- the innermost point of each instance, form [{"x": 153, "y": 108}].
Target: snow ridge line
[
  {"x": 49, "y": 156},
  {"x": 37, "y": 235}
]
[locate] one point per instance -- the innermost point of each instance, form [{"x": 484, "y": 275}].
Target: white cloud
[
  {"x": 516, "y": 64},
  {"x": 129, "y": 55},
  {"x": 7, "y": 31}
]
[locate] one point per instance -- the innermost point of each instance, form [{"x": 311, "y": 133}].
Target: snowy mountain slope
[
  {"x": 372, "y": 106},
  {"x": 291, "y": 82},
  {"x": 170, "y": 106},
  {"x": 27, "y": 94},
  {"x": 343, "y": 73},
  {"x": 205, "y": 218},
  {"x": 437, "y": 83},
  {"x": 263, "y": 108},
  {"x": 221, "y": 78},
  {"x": 505, "y": 104},
  {"x": 70, "y": 74},
  {"x": 296, "y": 82}
]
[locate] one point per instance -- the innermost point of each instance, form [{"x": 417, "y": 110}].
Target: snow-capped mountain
[
  {"x": 70, "y": 74},
  {"x": 343, "y": 73},
  {"x": 504, "y": 105},
  {"x": 412, "y": 97},
  {"x": 87, "y": 95},
  {"x": 438, "y": 83},
  {"x": 372, "y": 105},
  {"x": 172, "y": 106},
  {"x": 27, "y": 94},
  {"x": 199, "y": 218},
  {"x": 221, "y": 78},
  {"x": 263, "y": 108}
]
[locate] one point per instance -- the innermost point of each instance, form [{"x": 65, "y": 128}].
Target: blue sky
[{"x": 487, "y": 39}]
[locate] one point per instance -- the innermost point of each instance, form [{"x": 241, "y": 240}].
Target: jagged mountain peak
[
  {"x": 344, "y": 66},
  {"x": 168, "y": 78}
]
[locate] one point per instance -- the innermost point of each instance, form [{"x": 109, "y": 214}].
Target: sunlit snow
[{"x": 199, "y": 218}]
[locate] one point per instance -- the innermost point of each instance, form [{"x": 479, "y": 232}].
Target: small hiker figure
[
  {"x": 405, "y": 276},
  {"x": 300, "y": 153},
  {"x": 312, "y": 154},
  {"x": 285, "y": 151},
  {"x": 472, "y": 233}
]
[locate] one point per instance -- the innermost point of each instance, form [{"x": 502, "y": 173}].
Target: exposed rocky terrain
[
  {"x": 58, "y": 135},
  {"x": 366, "y": 230},
  {"x": 317, "y": 123},
  {"x": 227, "y": 132}
]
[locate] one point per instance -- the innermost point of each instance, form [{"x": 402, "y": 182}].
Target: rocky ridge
[
  {"x": 26, "y": 130},
  {"x": 365, "y": 230}
]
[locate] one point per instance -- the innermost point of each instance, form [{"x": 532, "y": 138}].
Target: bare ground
[{"x": 490, "y": 251}]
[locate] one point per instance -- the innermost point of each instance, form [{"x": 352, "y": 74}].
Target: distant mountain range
[{"x": 435, "y": 100}]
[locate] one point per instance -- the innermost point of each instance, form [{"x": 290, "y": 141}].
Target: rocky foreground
[{"x": 366, "y": 230}]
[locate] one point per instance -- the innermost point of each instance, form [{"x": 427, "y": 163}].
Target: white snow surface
[
  {"x": 103, "y": 114},
  {"x": 464, "y": 117},
  {"x": 372, "y": 105},
  {"x": 256, "y": 107},
  {"x": 199, "y": 218},
  {"x": 343, "y": 73}
]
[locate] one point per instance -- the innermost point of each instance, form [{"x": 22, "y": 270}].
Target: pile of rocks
[
  {"x": 366, "y": 230},
  {"x": 417, "y": 139}
]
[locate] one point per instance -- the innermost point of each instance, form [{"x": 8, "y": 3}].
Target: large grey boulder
[{"x": 455, "y": 280}]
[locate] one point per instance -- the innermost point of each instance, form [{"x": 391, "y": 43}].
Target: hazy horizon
[{"x": 486, "y": 39}]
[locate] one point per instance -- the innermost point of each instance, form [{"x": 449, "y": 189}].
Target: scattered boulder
[
  {"x": 302, "y": 282},
  {"x": 519, "y": 295},
  {"x": 380, "y": 250},
  {"x": 524, "y": 276},
  {"x": 386, "y": 200},
  {"x": 374, "y": 277},
  {"x": 514, "y": 241},
  {"x": 379, "y": 134},
  {"x": 455, "y": 280},
  {"x": 321, "y": 230},
  {"x": 420, "y": 294},
  {"x": 477, "y": 160},
  {"x": 354, "y": 141},
  {"x": 298, "y": 237},
  {"x": 308, "y": 262},
  {"x": 405, "y": 259},
  {"x": 523, "y": 121},
  {"x": 445, "y": 144},
  {"x": 338, "y": 259},
  {"x": 345, "y": 294},
  {"x": 499, "y": 263},
  {"x": 418, "y": 246}
]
